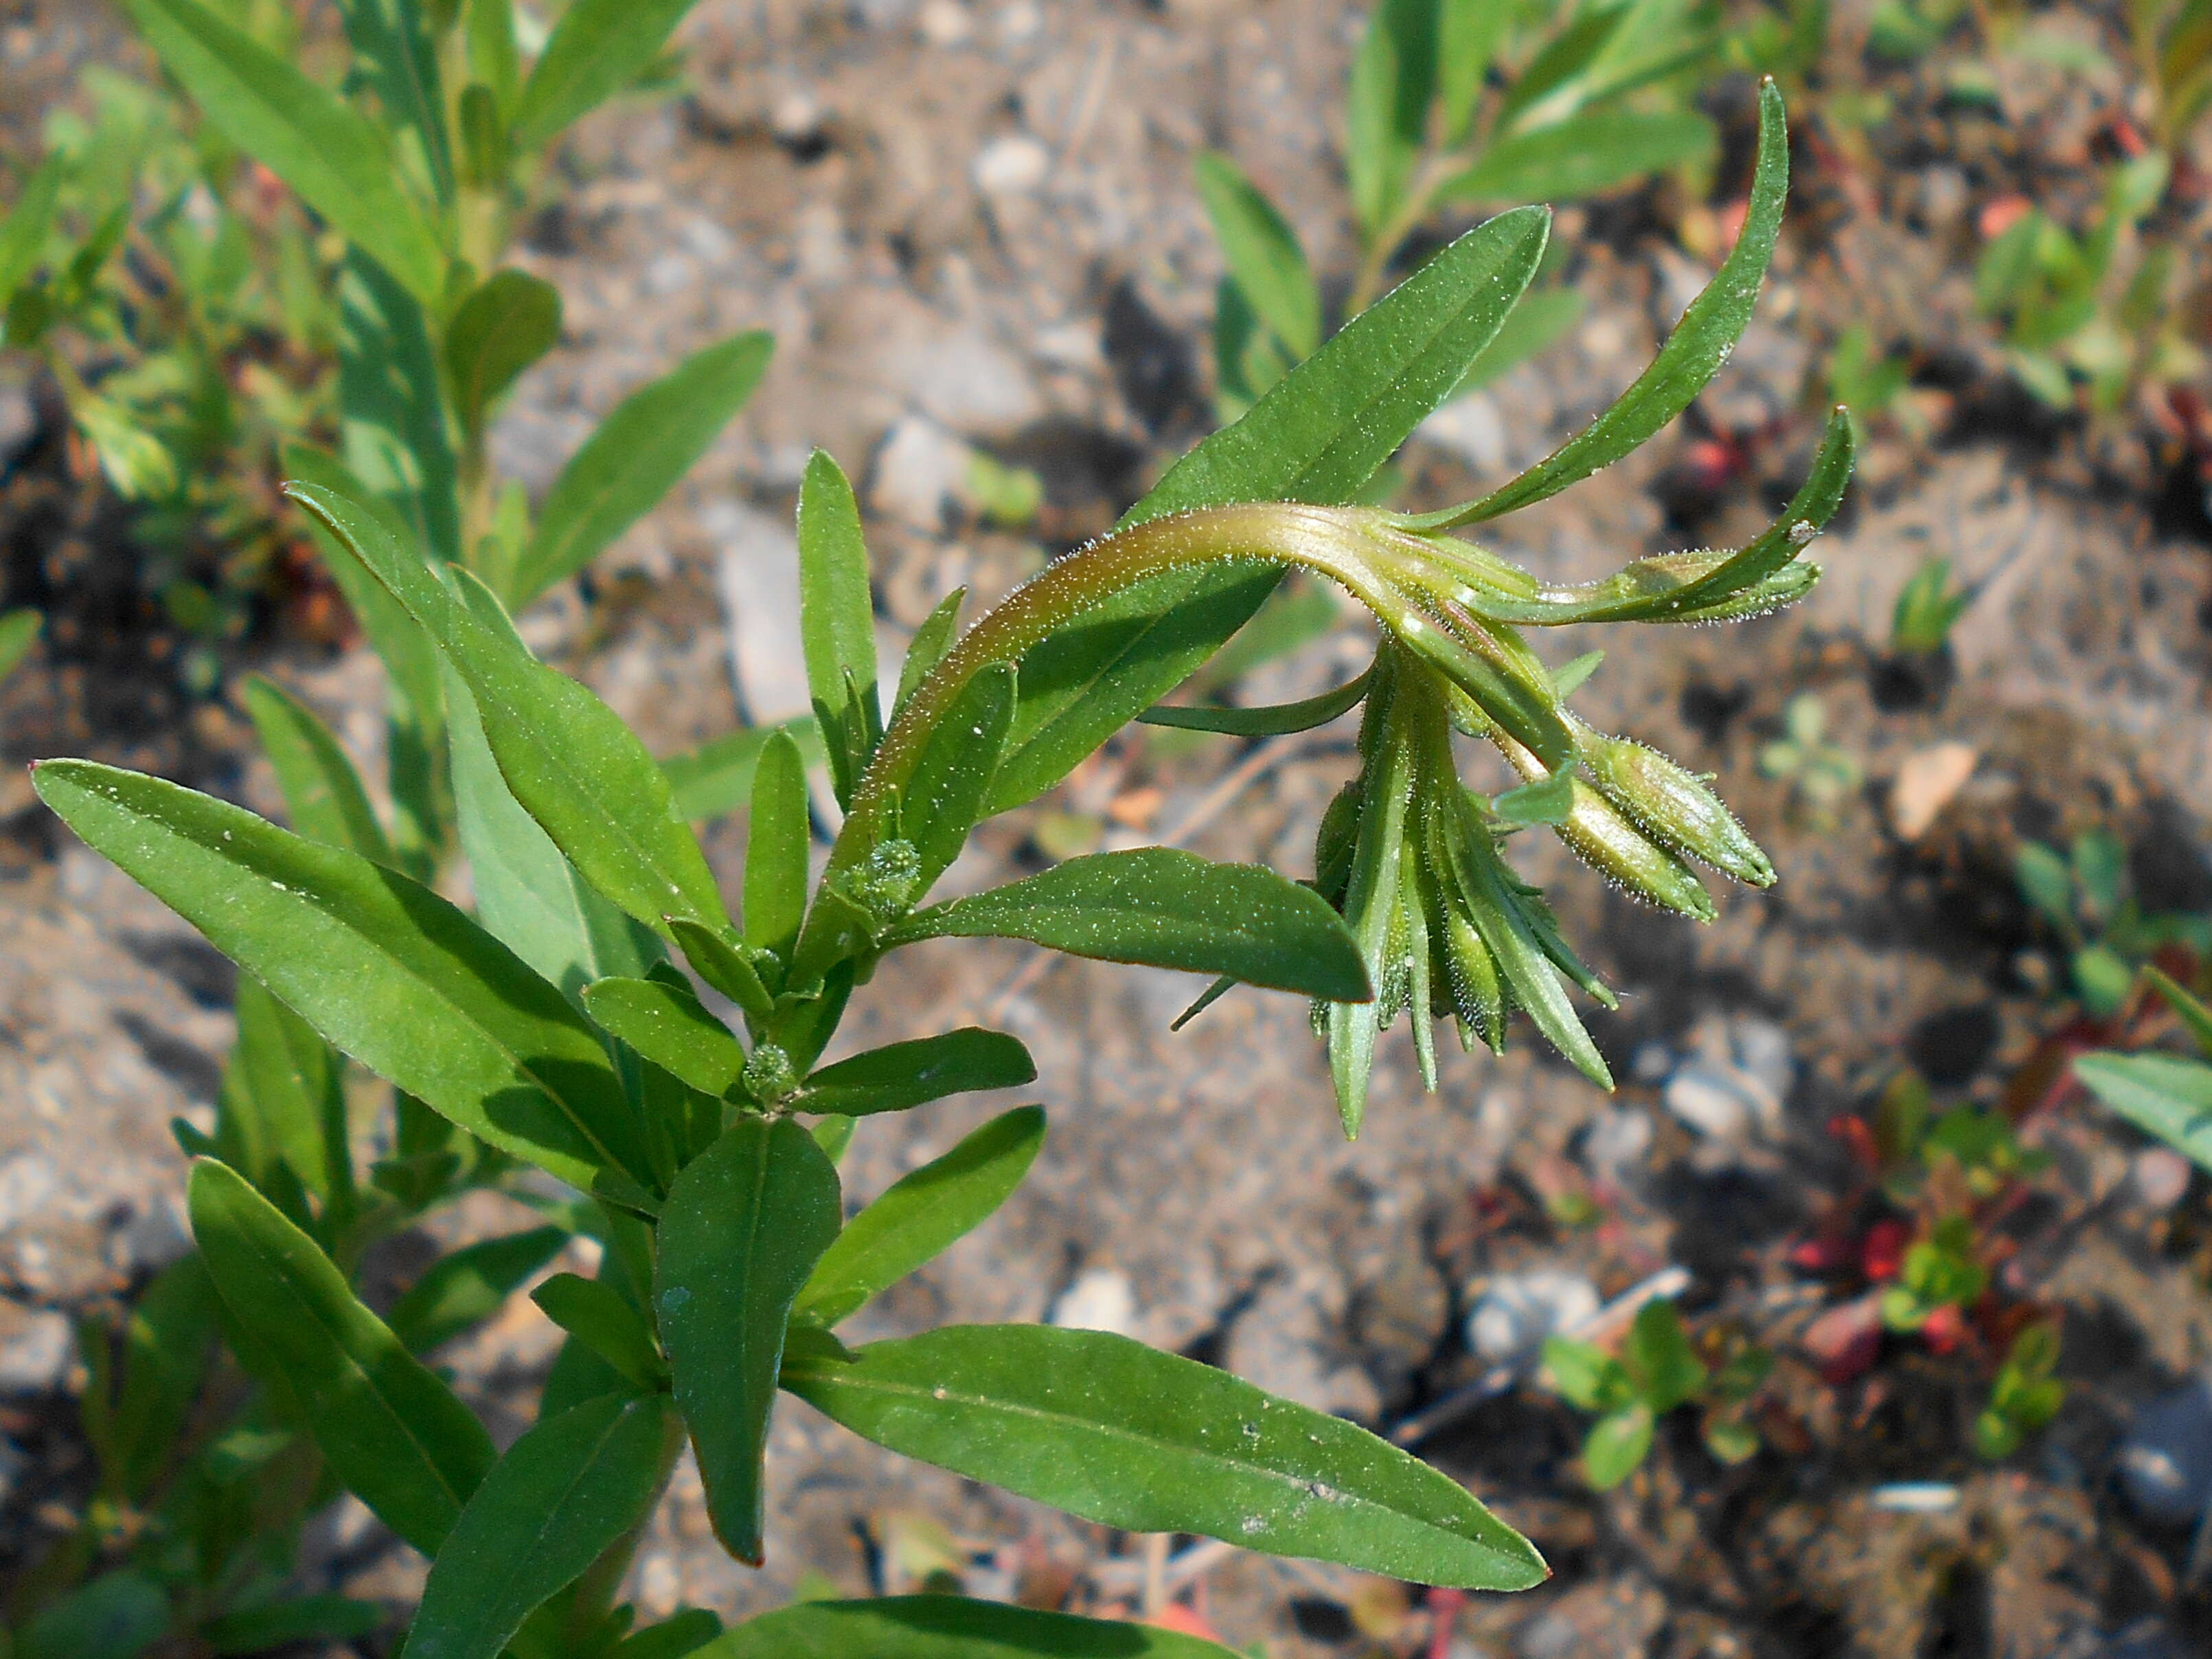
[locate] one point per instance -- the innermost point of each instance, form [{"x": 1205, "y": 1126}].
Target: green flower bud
[
  {"x": 1673, "y": 806},
  {"x": 1603, "y": 837},
  {"x": 768, "y": 1076}
]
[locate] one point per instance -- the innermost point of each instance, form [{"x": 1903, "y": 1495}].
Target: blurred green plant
[
  {"x": 1928, "y": 608},
  {"x": 1657, "y": 1371},
  {"x": 2086, "y": 897},
  {"x": 551, "y": 1046},
  {"x": 2166, "y": 1096},
  {"x": 18, "y": 632},
  {"x": 1821, "y": 775},
  {"x": 2025, "y": 1395},
  {"x": 1457, "y": 104}
]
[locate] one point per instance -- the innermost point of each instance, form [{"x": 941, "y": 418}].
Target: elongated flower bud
[
  {"x": 1673, "y": 806},
  {"x": 1603, "y": 837}
]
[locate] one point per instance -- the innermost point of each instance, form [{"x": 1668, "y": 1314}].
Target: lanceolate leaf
[
  {"x": 1121, "y": 1434},
  {"x": 744, "y": 1225},
  {"x": 394, "y": 54},
  {"x": 332, "y": 155},
  {"x": 23, "y": 238},
  {"x": 600, "y": 1317},
  {"x": 382, "y": 967},
  {"x": 566, "y": 755},
  {"x": 1262, "y": 253},
  {"x": 1322, "y": 432},
  {"x": 564, "y": 1493},
  {"x": 1468, "y": 34},
  {"x": 647, "y": 444},
  {"x": 392, "y": 416},
  {"x": 904, "y": 1074},
  {"x": 775, "y": 849},
  {"x": 837, "y": 620},
  {"x": 1273, "y": 721},
  {"x": 321, "y": 790},
  {"x": 392, "y": 1431},
  {"x": 597, "y": 49},
  {"x": 2159, "y": 1094},
  {"x": 1166, "y": 908},
  {"x": 1699, "y": 344},
  {"x": 1394, "y": 76},
  {"x": 921, "y": 1215},
  {"x": 283, "y": 1098},
  {"x": 459, "y": 1290},
  {"x": 944, "y": 798},
  {"x": 946, "y": 1627},
  {"x": 508, "y": 323},
  {"x": 669, "y": 1027},
  {"x": 1594, "y": 152}
]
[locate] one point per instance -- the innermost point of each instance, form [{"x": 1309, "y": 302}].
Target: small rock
[
  {"x": 153, "y": 1237},
  {"x": 1012, "y": 166},
  {"x": 1928, "y": 782},
  {"x": 1616, "y": 1142},
  {"x": 1720, "y": 1102},
  {"x": 2160, "y": 1178},
  {"x": 1517, "y": 1311},
  {"x": 28, "y": 1182},
  {"x": 1761, "y": 1049},
  {"x": 35, "y": 1348},
  {"x": 1290, "y": 1344},
  {"x": 1651, "y": 1062},
  {"x": 946, "y": 23},
  {"x": 2165, "y": 1461},
  {"x": 757, "y": 577},
  {"x": 920, "y": 471},
  {"x": 1844, "y": 1341},
  {"x": 1472, "y": 428},
  {"x": 1100, "y": 1299}
]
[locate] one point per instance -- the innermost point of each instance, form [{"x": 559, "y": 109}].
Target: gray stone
[
  {"x": 1517, "y": 1311},
  {"x": 2166, "y": 1459},
  {"x": 1713, "y": 1101},
  {"x": 920, "y": 471},
  {"x": 35, "y": 1348},
  {"x": 756, "y": 573}
]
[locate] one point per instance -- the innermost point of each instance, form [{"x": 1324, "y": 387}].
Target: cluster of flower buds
[{"x": 1412, "y": 857}]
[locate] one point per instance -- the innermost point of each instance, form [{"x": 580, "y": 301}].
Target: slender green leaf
[
  {"x": 394, "y": 56},
  {"x": 1469, "y": 33},
  {"x": 1262, "y": 254},
  {"x": 494, "y": 56},
  {"x": 322, "y": 1619},
  {"x": 509, "y": 322},
  {"x": 564, "y": 1493},
  {"x": 1273, "y": 721},
  {"x": 283, "y": 1097},
  {"x": 172, "y": 1324},
  {"x": 668, "y": 1026},
  {"x": 566, "y": 755},
  {"x": 681, "y": 1633},
  {"x": 1394, "y": 76},
  {"x": 1119, "y": 1433},
  {"x": 469, "y": 1285},
  {"x": 777, "y": 844},
  {"x": 906, "y": 1074},
  {"x": 1537, "y": 322},
  {"x": 920, "y": 1216},
  {"x": 1618, "y": 1444},
  {"x": 601, "y": 1318},
  {"x": 723, "y": 964},
  {"x": 640, "y": 450},
  {"x": 391, "y": 415},
  {"x": 930, "y": 643},
  {"x": 1597, "y": 151},
  {"x": 23, "y": 238},
  {"x": 2194, "y": 1015},
  {"x": 1166, "y": 908},
  {"x": 944, "y": 797},
  {"x": 2160, "y": 1094},
  {"x": 837, "y": 621},
  {"x": 1321, "y": 434},
  {"x": 384, "y": 968},
  {"x": 598, "y": 48},
  {"x": 322, "y": 792},
  {"x": 334, "y": 157},
  {"x": 1659, "y": 1358},
  {"x": 1701, "y": 342},
  {"x": 717, "y": 777},
  {"x": 743, "y": 1228},
  {"x": 946, "y": 1627},
  {"x": 392, "y": 1431},
  {"x": 528, "y": 896}
]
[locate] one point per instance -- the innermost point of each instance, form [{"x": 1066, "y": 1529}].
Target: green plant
[
  {"x": 2085, "y": 897},
  {"x": 1821, "y": 775},
  {"x": 1658, "y": 1370},
  {"x": 2025, "y": 1395},
  {"x": 1460, "y": 103},
  {"x": 555, "y": 1031},
  {"x": 2163, "y": 1094},
  {"x": 1928, "y": 608},
  {"x": 2089, "y": 318},
  {"x": 18, "y": 632}
]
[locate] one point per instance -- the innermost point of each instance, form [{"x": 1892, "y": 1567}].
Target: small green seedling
[
  {"x": 1657, "y": 1371},
  {"x": 2167, "y": 1096},
  {"x": 2086, "y": 898},
  {"x": 18, "y": 632},
  {"x": 1821, "y": 775},
  {"x": 2026, "y": 1395},
  {"x": 1928, "y": 608}
]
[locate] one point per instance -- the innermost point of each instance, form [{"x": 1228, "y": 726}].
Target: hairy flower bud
[{"x": 1673, "y": 806}]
